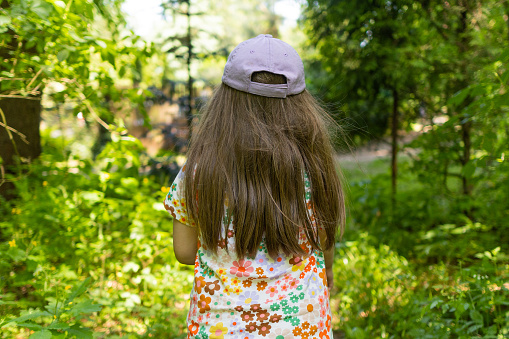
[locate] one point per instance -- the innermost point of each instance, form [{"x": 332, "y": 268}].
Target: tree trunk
[
  {"x": 22, "y": 115},
  {"x": 466, "y": 129},
  {"x": 190, "y": 78},
  {"x": 394, "y": 160}
]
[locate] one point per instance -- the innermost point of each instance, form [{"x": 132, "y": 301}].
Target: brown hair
[{"x": 250, "y": 153}]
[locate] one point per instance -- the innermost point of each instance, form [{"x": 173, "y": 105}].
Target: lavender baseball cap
[{"x": 265, "y": 53}]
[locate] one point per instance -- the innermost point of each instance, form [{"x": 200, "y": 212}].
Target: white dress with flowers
[{"x": 257, "y": 297}]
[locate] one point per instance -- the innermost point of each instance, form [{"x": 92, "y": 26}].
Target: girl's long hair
[{"x": 250, "y": 154}]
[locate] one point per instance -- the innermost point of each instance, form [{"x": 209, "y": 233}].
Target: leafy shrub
[{"x": 99, "y": 219}]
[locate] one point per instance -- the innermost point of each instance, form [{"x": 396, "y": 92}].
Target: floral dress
[{"x": 258, "y": 297}]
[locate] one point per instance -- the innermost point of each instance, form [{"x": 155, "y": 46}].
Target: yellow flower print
[
  {"x": 235, "y": 281},
  {"x": 12, "y": 243},
  {"x": 298, "y": 264},
  {"x": 218, "y": 331},
  {"x": 221, "y": 271}
]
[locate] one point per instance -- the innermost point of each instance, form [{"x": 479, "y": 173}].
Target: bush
[{"x": 99, "y": 220}]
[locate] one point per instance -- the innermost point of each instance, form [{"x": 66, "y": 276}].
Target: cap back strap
[{"x": 268, "y": 90}]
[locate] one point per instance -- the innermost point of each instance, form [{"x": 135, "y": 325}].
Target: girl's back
[{"x": 259, "y": 202}]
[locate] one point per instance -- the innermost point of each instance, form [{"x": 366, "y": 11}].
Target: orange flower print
[
  {"x": 241, "y": 268},
  {"x": 293, "y": 284},
  {"x": 272, "y": 290},
  {"x": 261, "y": 285},
  {"x": 312, "y": 260},
  {"x": 264, "y": 329},
  {"x": 259, "y": 271},
  {"x": 193, "y": 327},
  {"x": 324, "y": 334},
  {"x": 203, "y": 303},
  {"x": 247, "y": 283},
  {"x": 297, "y": 331},
  {"x": 199, "y": 283},
  {"x": 323, "y": 312},
  {"x": 211, "y": 287},
  {"x": 323, "y": 275}
]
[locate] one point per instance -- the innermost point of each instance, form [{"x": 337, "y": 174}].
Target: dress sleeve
[{"x": 175, "y": 201}]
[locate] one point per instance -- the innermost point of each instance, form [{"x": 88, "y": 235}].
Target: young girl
[{"x": 258, "y": 203}]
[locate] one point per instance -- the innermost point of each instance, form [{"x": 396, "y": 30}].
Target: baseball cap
[{"x": 265, "y": 53}]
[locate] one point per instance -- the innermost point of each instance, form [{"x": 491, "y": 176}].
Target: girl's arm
[
  {"x": 329, "y": 260},
  {"x": 185, "y": 242}
]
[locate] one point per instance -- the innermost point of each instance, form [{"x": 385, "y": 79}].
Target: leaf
[
  {"x": 63, "y": 54},
  {"x": 44, "y": 334},
  {"x": 468, "y": 170},
  {"x": 78, "y": 290},
  {"x": 434, "y": 304},
  {"x": 92, "y": 196},
  {"x": 476, "y": 317},
  {"x": 60, "y": 4},
  {"x": 459, "y": 97},
  {"x": 29, "y": 316},
  {"x": 16, "y": 254},
  {"x": 101, "y": 43},
  {"x": 42, "y": 9},
  {"x": 81, "y": 332},
  {"x": 30, "y": 326},
  {"x": 58, "y": 326},
  {"x": 4, "y": 20},
  {"x": 85, "y": 307}
]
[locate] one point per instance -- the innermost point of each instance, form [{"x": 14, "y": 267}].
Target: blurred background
[{"x": 97, "y": 103}]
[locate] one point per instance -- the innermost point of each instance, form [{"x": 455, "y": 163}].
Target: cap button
[{"x": 268, "y": 35}]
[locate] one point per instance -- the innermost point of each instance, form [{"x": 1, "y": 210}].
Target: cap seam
[{"x": 270, "y": 57}]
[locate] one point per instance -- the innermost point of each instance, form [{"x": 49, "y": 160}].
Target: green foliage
[
  {"x": 69, "y": 50},
  {"x": 63, "y": 315},
  {"x": 426, "y": 271},
  {"x": 97, "y": 219}
]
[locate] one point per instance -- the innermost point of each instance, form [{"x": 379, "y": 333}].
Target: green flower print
[
  {"x": 274, "y": 307},
  {"x": 295, "y": 321},
  {"x": 287, "y": 310}
]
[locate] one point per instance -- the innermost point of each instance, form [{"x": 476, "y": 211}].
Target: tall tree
[
  {"x": 365, "y": 48},
  {"x": 81, "y": 45}
]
